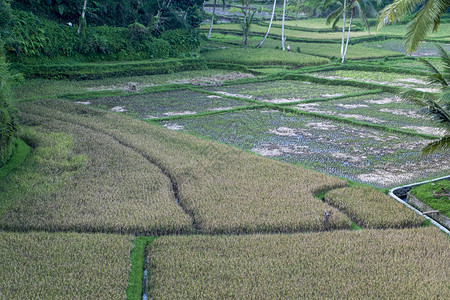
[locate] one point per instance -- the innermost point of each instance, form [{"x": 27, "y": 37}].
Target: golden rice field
[
  {"x": 225, "y": 189},
  {"x": 104, "y": 194},
  {"x": 370, "y": 208},
  {"x": 40, "y": 265},
  {"x": 364, "y": 264},
  {"x": 114, "y": 190}
]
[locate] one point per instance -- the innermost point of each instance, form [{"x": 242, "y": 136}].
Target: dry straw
[
  {"x": 83, "y": 180},
  {"x": 64, "y": 265},
  {"x": 364, "y": 264},
  {"x": 224, "y": 189},
  {"x": 372, "y": 209}
]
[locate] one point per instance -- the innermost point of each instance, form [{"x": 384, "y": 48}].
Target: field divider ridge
[
  {"x": 137, "y": 282},
  {"x": 203, "y": 114}
]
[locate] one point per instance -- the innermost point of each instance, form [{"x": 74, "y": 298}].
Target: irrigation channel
[
  {"x": 145, "y": 277},
  {"x": 400, "y": 193}
]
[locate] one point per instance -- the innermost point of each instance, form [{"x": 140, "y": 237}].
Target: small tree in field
[{"x": 248, "y": 20}]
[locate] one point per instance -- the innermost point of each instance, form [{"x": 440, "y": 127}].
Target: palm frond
[
  {"x": 424, "y": 23},
  {"x": 436, "y": 76},
  {"x": 445, "y": 58},
  {"x": 250, "y": 21},
  {"x": 334, "y": 14},
  {"x": 444, "y": 97},
  {"x": 335, "y": 22},
  {"x": 440, "y": 116},
  {"x": 328, "y": 3},
  {"x": 368, "y": 8},
  {"x": 441, "y": 144},
  {"x": 396, "y": 11},
  {"x": 362, "y": 14}
]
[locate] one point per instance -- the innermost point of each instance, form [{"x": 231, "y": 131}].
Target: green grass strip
[
  {"x": 307, "y": 29},
  {"x": 204, "y": 114},
  {"x": 137, "y": 258},
  {"x": 352, "y": 41},
  {"x": 122, "y": 93},
  {"x": 256, "y": 102},
  {"x": 315, "y": 100},
  {"x": 371, "y": 67},
  {"x": 434, "y": 195},
  {"x": 86, "y": 71},
  {"x": 232, "y": 67},
  {"x": 355, "y": 226},
  {"x": 340, "y": 82},
  {"x": 20, "y": 154}
]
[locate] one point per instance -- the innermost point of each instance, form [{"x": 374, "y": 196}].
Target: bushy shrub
[
  {"x": 99, "y": 12},
  {"x": 7, "y": 120},
  {"x": 160, "y": 48},
  {"x": 32, "y": 36},
  {"x": 5, "y": 16},
  {"x": 181, "y": 41},
  {"x": 104, "y": 40},
  {"x": 137, "y": 32}
]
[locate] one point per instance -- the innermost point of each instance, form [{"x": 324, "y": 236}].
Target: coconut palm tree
[
  {"x": 283, "y": 38},
  {"x": 270, "y": 24},
  {"x": 436, "y": 107},
  {"x": 212, "y": 17},
  {"x": 83, "y": 18},
  {"x": 424, "y": 22},
  {"x": 360, "y": 7}
]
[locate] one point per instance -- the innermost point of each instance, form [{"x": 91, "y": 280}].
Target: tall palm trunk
[
  {"x": 83, "y": 15},
  {"x": 343, "y": 28},
  {"x": 348, "y": 34},
  {"x": 212, "y": 19},
  {"x": 270, "y": 24},
  {"x": 283, "y": 39},
  {"x": 244, "y": 38}
]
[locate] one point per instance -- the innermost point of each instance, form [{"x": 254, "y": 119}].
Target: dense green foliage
[
  {"x": 20, "y": 154},
  {"x": 161, "y": 14},
  {"x": 32, "y": 36},
  {"x": 8, "y": 124}
]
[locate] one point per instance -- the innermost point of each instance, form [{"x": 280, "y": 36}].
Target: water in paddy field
[{"x": 359, "y": 153}]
